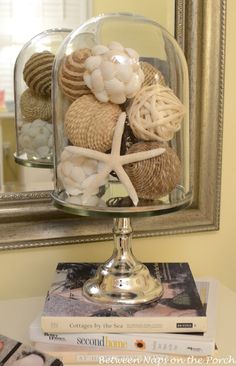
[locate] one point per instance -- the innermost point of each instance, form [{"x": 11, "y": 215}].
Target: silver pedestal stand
[{"x": 122, "y": 279}]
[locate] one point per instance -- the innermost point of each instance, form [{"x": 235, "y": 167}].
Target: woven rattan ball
[
  {"x": 156, "y": 113},
  {"x": 71, "y": 74},
  {"x": 34, "y": 107},
  {"x": 151, "y": 74},
  {"x": 37, "y": 73},
  {"x": 154, "y": 178},
  {"x": 90, "y": 123}
]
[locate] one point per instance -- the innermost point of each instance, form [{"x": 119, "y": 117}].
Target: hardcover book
[
  {"x": 178, "y": 310},
  {"x": 100, "y": 357},
  {"x": 14, "y": 353},
  {"x": 197, "y": 344}
]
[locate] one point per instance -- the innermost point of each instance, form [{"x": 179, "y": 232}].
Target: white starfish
[{"x": 114, "y": 161}]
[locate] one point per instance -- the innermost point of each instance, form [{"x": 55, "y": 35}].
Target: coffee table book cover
[
  {"x": 178, "y": 310},
  {"x": 201, "y": 344},
  {"x": 14, "y": 353}
]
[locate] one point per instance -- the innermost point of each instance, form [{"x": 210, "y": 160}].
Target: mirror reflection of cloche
[
  {"x": 32, "y": 93},
  {"x": 121, "y": 124}
]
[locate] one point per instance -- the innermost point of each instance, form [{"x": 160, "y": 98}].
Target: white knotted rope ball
[
  {"x": 76, "y": 173},
  {"x": 36, "y": 139},
  {"x": 113, "y": 73}
]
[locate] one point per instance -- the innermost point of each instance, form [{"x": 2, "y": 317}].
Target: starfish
[{"x": 114, "y": 161}]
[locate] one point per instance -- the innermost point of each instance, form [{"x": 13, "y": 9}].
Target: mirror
[
  {"x": 28, "y": 219},
  {"x": 43, "y": 14},
  {"x": 14, "y": 34}
]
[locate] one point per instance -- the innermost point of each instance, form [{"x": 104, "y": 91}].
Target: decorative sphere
[
  {"x": 156, "y": 177},
  {"x": 37, "y": 73},
  {"x": 151, "y": 75},
  {"x": 35, "y": 107},
  {"x": 155, "y": 113},
  {"x": 90, "y": 124},
  {"x": 71, "y": 74},
  {"x": 76, "y": 173},
  {"x": 35, "y": 139},
  {"x": 113, "y": 73}
]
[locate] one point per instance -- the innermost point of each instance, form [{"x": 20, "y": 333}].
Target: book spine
[
  {"x": 132, "y": 342},
  {"x": 140, "y": 358},
  {"x": 123, "y": 325},
  {"x": 86, "y": 358}
]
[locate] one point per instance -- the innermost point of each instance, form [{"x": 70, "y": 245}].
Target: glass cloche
[
  {"x": 121, "y": 134},
  {"x": 33, "y": 107}
]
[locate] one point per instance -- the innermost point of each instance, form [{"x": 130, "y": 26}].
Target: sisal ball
[
  {"x": 155, "y": 113},
  {"x": 151, "y": 74},
  {"x": 156, "y": 177},
  {"x": 71, "y": 74},
  {"x": 37, "y": 73},
  {"x": 90, "y": 124},
  {"x": 34, "y": 107}
]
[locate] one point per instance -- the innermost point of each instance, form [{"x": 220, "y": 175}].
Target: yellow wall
[
  {"x": 29, "y": 272},
  {"x": 162, "y": 11}
]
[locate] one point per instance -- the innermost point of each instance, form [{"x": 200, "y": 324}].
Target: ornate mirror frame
[{"x": 29, "y": 219}]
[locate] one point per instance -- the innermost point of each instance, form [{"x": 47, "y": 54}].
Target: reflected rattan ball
[
  {"x": 34, "y": 107},
  {"x": 90, "y": 123},
  {"x": 154, "y": 178},
  {"x": 37, "y": 73},
  {"x": 71, "y": 74}
]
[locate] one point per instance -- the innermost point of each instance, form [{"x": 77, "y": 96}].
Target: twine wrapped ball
[
  {"x": 113, "y": 73},
  {"x": 90, "y": 124},
  {"x": 156, "y": 177},
  {"x": 34, "y": 107},
  {"x": 156, "y": 113},
  {"x": 151, "y": 75},
  {"x": 71, "y": 74},
  {"x": 37, "y": 73}
]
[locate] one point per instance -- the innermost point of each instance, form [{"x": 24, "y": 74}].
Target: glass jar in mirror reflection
[{"x": 32, "y": 93}]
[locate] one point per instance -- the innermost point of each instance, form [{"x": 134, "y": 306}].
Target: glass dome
[
  {"x": 121, "y": 138},
  {"x": 32, "y": 92},
  {"x": 121, "y": 119}
]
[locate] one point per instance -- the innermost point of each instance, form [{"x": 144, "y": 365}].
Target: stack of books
[
  {"x": 79, "y": 331},
  {"x": 14, "y": 353}
]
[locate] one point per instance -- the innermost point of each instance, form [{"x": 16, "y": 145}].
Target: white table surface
[{"x": 17, "y": 314}]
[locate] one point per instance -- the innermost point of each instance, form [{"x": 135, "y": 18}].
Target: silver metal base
[{"x": 123, "y": 279}]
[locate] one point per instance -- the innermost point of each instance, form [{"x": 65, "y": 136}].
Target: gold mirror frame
[{"x": 29, "y": 219}]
